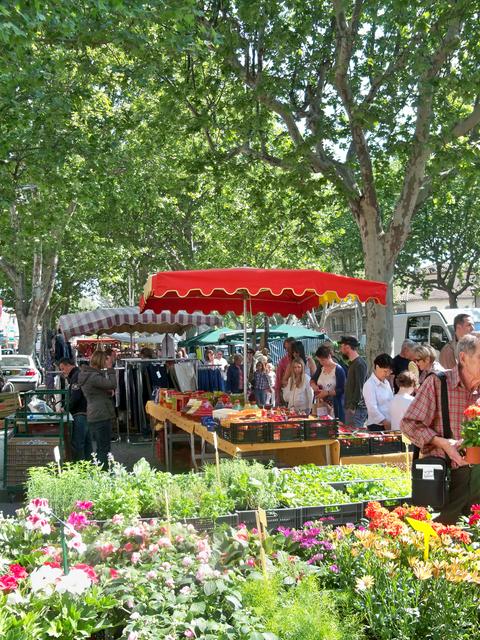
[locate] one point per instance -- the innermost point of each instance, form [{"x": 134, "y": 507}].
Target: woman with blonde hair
[
  {"x": 98, "y": 382},
  {"x": 425, "y": 357},
  {"x": 297, "y": 392}
]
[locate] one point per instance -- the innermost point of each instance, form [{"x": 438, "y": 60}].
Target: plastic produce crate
[
  {"x": 208, "y": 524},
  {"x": 390, "y": 503},
  {"x": 335, "y": 514},
  {"x": 288, "y": 431},
  {"x": 380, "y": 445},
  {"x": 354, "y": 447},
  {"x": 288, "y": 518},
  {"x": 246, "y": 432},
  {"x": 321, "y": 429}
]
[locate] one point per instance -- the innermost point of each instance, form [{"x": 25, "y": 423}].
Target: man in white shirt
[
  {"x": 220, "y": 361},
  {"x": 406, "y": 383},
  {"x": 377, "y": 394}
]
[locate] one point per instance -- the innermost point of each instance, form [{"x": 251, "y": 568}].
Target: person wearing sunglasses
[{"x": 425, "y": 357}]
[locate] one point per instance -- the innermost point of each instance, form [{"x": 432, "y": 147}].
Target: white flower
[
  {"x": 133, "y": 635},
  {"x": 185, "y": 590},
  {"x": 77, "y": 543},
  {"x": 15, "y": 598},
  {"x": 76, "y": 582},
  {"x": 135, "y": 616},
  {"x": 44, "y": 579}
]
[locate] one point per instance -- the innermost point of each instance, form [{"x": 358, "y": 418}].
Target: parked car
[{"x": 20, "y": 371}]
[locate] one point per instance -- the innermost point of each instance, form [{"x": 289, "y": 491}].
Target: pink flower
[
  {"x": 84, "y": 505},
  {"x": 106, "y": 549},
  {"x": 17, "y": 571},
  {"x": 202, "y": 545},
  {"x": 114, "y": 573},
  {"x": 8, "y": 583},
  {"x": 78, "y": 520},
  {"x": 151, "y": 575},
  {"x": 250, "y": 562},
  {"x": 36, "y": 523},
  {"x": 185, "y": 590},
  {"x": 77, "y": 543},
  {"x": 133, "y": 635},
  {"x": 128, "y": 547},
  {"x": 135, "y": 558},
  {"x": 187, "y": 561},
  {"x": 38, "y": 504},
  {"x": 134, "y": 532},
  {"x": 118, "y": 518},
  {"x": 179, "y": 539},
  {"x": 241, "y": 534},
  {"x": 164, "y": 542},
  {"x": 204, "y": 571},
  {"x": 152, "y": 549},
  {"x": 86, "y": 568},
  {"x": 170, "y": 583},
  {"x": 189, "y": 633},
  {"x": 203, "y": 556}
]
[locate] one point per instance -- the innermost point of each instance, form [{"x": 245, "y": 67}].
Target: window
[
  {"x": 438, "y": 337},
  {"x": 417, "y": 328}
]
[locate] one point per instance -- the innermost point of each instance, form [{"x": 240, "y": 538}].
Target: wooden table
[
  {"x": 386, "y": 458},
  {"x": 318, "y": 452}
]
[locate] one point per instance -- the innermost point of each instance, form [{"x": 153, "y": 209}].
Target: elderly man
[
  {"x": 462, "y": 325},
  {"x": 423, "y": 425}
]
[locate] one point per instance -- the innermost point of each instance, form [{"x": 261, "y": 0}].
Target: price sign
[{"x": 427, "y": 530}]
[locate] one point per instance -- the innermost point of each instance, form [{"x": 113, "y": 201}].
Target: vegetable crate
[
  {"x": 354, "y": 447},
  {"x": 380, "y": 445},
  {"x": 288, "y": 431},
  {"x": 334, "y": 514},
  {"x": 246, "y": 432},
  {"x": 288, "y": 518},
  {"x": 8, "y": 404},
  {"x": 321, "y": 429},
  {"x": 209, "y": 524}
]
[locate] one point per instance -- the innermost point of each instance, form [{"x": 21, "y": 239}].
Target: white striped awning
[{"x": 130, "y": 319}]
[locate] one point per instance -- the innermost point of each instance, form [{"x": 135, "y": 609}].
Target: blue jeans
[
  {"x": 356, "y": 417},
  {"x": 102, "y": 432},
  {"x": 81, "y": 439},
  {"x": 261, "y": 397}
]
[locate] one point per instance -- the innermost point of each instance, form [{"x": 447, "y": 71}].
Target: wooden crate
[
  {"x": 8, "y": 404},
  {"x": 23, "y": 453}
]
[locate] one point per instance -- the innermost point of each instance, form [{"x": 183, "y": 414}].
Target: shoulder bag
[{"x": 431, "y": 475}]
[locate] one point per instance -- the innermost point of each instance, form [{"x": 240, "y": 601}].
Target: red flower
[
  {"x": 475, "y": 508},
  {"x": 114, "y": 573},
  {"x": 418, "y": 513},
  {"x": 90, "y": 571},
  {"x": 8, "y": 583},
  {"x": 54, "y": 565},
  {"x": 17, "y": 571},
  {"x": 474, "y": 518},
  {"x": 473, "y": 411}
]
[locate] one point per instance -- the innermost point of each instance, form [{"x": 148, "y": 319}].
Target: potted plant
[{"x": 471, "y": 434}]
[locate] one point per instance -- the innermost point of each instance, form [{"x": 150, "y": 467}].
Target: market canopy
[
  {"x": 130, "y": 319},
  {"x": 269, "y": 291}
]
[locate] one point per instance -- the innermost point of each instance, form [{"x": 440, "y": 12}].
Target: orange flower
[{"x": 473, "y": 411}]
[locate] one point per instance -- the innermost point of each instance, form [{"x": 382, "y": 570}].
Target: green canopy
[{"x": 233, "y": 336}]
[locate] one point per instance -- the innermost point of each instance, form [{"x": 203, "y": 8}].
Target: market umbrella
[
  {"x": 244, "y": 289},
  {"x": 130, "y": 319}
]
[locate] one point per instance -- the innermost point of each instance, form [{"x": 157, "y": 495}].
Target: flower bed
[{"x": 154, "y": 580}]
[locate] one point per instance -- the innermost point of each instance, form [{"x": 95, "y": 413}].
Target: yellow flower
[
  {"x": 364, "y": 584},
  {"x": 454, "y": 572},
  {"x": 422, "y": 570}
]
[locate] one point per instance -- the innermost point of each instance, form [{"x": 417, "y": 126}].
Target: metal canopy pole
[{"x": 245, "y": 364}]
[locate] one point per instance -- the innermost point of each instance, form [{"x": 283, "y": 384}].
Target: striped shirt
[{"x": 423, "y": 418}]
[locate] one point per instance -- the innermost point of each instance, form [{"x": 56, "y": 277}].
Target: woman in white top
[
  {"x": 377, "y": 394},
  {"x": 406, "y": 383},
  {"x": 298, "y": 393}
]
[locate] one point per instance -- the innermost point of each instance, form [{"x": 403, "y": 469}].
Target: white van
[{"x": 433, "y": 327}]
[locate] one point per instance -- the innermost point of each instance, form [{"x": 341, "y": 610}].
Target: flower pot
[{"x": 472, "y": 455}]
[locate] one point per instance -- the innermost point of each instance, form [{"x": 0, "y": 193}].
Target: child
[
  {"x": 270, "y": 371},
  {"x": 261, "y": 384},
  {"x": 400, "y": 402}
]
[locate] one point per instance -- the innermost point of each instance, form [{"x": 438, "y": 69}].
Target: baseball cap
[{"x": 350, "y": 340}]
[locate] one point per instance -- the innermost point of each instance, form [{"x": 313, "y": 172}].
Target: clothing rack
[{"x": 134, "y": 379}]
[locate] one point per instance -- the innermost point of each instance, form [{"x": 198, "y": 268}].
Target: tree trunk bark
[
  {"x": 27, "y": 328},
  {"x": 452, "y": 300},
  {"x": 379, "y": 265}
]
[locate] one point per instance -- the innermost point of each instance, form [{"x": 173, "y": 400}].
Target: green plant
[{"x": 301, "y": 611}]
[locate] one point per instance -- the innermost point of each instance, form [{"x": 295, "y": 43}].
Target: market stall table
[{"x": 318, "y": 452}]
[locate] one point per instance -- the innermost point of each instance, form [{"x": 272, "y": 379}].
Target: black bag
[{"x": 431, "y": 475}]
